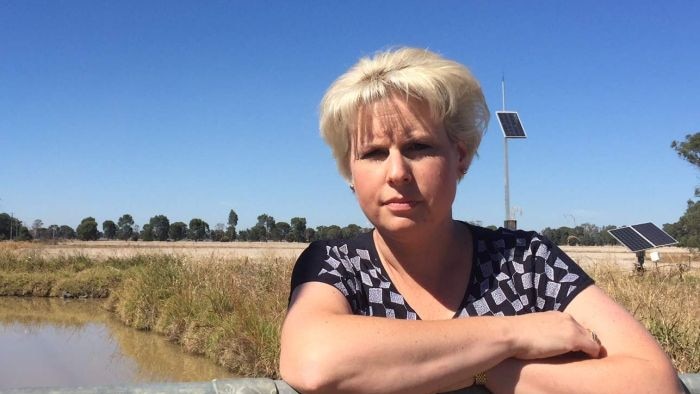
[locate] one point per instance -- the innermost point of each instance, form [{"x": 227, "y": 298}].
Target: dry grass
[
  {"x": 124, "y": 249},
  {"x": 230, "y": 308},
  {"x": 229, "y": 311},
  {"x": 666, "y": 301}
]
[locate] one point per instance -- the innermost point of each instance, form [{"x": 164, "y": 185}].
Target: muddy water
[{"x": 53, "y": 342}]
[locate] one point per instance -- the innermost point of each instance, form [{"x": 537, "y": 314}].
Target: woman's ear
[{"x": 462, "y": 162}]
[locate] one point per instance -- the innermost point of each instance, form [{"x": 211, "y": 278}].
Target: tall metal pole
[{"x": 505, "y": 152}]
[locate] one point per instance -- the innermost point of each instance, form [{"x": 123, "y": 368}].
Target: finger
[{"x": 591, "y": 344}]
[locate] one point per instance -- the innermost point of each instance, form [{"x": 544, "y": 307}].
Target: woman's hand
[
  {"x": 630, "y": 360},
  {"x": 549, "y": 334}
]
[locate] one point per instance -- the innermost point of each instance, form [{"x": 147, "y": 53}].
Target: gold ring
[{"x": 595, "y": 337}]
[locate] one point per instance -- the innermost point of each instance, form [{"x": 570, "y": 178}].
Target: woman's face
[{"x": 404, "y": 167}]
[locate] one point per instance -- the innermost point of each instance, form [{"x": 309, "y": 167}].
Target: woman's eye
[
  {"x": 374, "y": 154},
  {"x": 419, "y": 147}
]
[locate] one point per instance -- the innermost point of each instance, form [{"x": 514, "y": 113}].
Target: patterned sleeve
[
  {"x": 324, "y": 262},
  {"x": 557, "y": 278}
]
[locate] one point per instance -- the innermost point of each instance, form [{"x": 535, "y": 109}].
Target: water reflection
[{"x": 53, "y": 342}]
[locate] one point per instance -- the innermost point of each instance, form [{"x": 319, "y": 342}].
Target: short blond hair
[{"x": 449, "y": 88}]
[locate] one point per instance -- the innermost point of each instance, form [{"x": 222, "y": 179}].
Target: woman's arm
[
  {"x": 327, "y": 349},
  {"x": 632, "y": 360}
]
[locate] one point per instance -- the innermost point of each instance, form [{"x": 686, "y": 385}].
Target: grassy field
[{"x": 229, "y": 305}]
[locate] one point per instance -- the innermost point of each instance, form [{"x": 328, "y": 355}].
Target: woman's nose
[{"x": 399, "y": 170}]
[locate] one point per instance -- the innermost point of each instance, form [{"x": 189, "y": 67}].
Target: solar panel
[
  {"x": 510, "y": 124},
  {"x": 630, "y": 238},
  {"x": 655, "y": 235},
  {"x": 642, "y": 236}
]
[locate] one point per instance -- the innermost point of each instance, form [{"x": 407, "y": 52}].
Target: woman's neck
[{"x": 426, "y": 257}]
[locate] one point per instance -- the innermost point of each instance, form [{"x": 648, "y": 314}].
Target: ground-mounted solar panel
[
  {"x": 510, "y": 124},
  {"x": 655, "y": 235},
  {"x": 630, "y": 238}
]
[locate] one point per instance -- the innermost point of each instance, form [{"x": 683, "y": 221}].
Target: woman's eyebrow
[{"x": 370, "y": 146}]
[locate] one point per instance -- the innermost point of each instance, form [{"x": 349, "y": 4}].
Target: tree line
[
  {"x": 686, "y": 230},
  {"x": 159, "y": 228},
  {"x": 267, "y": 228}
]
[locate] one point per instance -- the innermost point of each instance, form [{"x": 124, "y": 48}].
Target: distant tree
[
  {"x": 232, "y": 223},
  {"x": 689, "y": 149},
  {"x": 178, "y": 231},
  {"x": 328, "y": 232},
  {"x": 559, "y": 235},
  {"x": 24, "y": 234},
  {"x": 36, "y": 226},
  {"x": 333, "y": 232},
  {"x": 135, "y": 233},
  {"x": 87, "y": 229},
  {"x": 66, "y": 232},
  {"x": 199, "y": 230},
  {"x": 243, "y": 235},
  {"x": 124, "y": 227},
  {"x": 586, "y": 234},
  {"x": 53, "y": 231},
  {"x": 217, "y": 235},
  {"x": 9, "y": 226},
  {"x": 687, "y": 229},
  {"x": 43, "y": 234},
  {"x": 147, "y": 233},
  {"x": 350, "y": 231},
  {"x": 281, "y": 231},
  {"x": 321, "y": 232},
  {"x": 309, "y": 234},
  {"x": 109, "y": 228},
  {"x": 298, "y": 231},
  {"x": 257, "y": 233},
  {"x": 262, "y": 230},
  {"x": 605, "y": 237},
  {"x": 160, "y": 226},
  {"x": 265, "y": 228}
]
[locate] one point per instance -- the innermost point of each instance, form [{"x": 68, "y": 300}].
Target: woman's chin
[{"x": 400, "y": 225}]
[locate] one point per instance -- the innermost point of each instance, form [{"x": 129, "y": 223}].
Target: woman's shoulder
[
  {"x": 337, "y": 262},
  {"x": 503, "y": 238},
  {"x": 340, "y": 246}
]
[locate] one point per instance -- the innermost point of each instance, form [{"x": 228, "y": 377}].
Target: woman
[{"x": 404, "y": 126}]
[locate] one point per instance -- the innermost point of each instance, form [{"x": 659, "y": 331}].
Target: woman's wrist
[{"x": 509, "y": 335}]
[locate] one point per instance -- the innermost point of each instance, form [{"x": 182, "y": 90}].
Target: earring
[{"x": 352, "y": 187}]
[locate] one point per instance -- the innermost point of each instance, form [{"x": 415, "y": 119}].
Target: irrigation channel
[{"x": 50, "y": 342}]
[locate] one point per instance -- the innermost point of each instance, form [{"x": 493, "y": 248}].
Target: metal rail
[{"x": 690, "y": 384}]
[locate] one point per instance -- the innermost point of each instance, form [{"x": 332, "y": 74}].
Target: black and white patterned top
[{"x": 514, "y": 272}]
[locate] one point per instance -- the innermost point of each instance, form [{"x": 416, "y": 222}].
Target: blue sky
[{"x": 192, "y": 108}]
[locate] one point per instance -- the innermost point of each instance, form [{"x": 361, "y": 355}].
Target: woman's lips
[{"x": 399, "y": 205}]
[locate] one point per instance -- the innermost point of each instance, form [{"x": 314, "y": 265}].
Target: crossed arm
[{"x": 327, "y": 349}]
